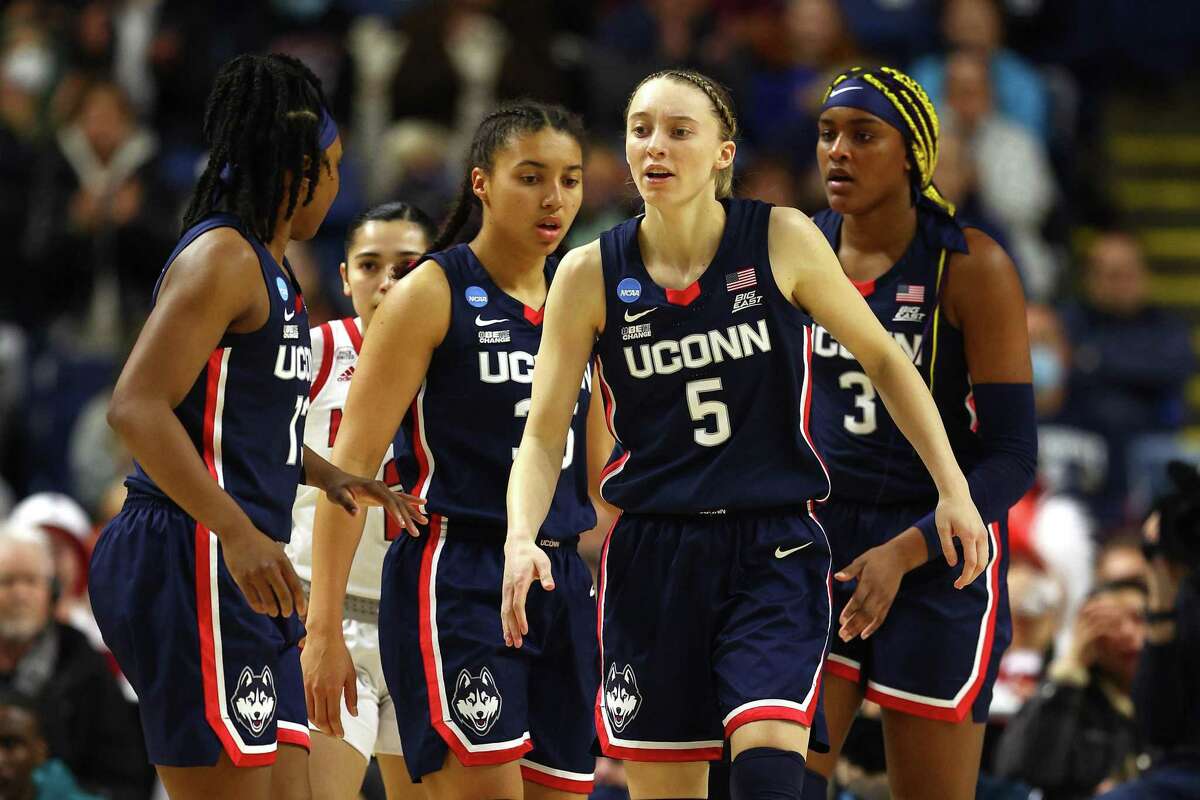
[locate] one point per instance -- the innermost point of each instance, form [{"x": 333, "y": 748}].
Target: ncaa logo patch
[
  {"x": 621, "y": 696},
  {"x": 476, "y": 700},
  {"x": 253, "y": 699},
  {"x": 629, "y": 290},
  {"x": 476, "y": 297},
  {"x": 281, "y": 285}
]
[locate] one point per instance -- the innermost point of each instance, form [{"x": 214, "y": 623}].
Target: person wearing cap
[{"x": 913, "y": 635}]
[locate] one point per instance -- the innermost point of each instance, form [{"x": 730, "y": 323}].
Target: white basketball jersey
[{"x": 335, "y": 347}]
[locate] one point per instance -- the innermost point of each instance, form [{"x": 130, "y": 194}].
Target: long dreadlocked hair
[
  {"x": 920, "y": 118},
  {"x": 517, "y": 118},
  {"x": 723, "y": 108},
  {"x": 261, "y": 122}
]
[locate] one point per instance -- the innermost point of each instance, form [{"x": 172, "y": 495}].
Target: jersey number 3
[{"x": 864, "y": 403}]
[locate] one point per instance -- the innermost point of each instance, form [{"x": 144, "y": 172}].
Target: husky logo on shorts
[
  {"x": 477, "y": 700},
  {"x": 621, "y": 696},
  {"x": 254, "y": 699}
]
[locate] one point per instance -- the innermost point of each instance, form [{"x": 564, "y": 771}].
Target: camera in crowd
[{"x": 1179, "y": 518}]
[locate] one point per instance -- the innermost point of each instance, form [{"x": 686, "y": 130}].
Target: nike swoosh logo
[
  {"x": 481, "y": 322},
  {"x": 781, "y": 553},
  {"x": 635, "y": 317},
  {"x": 836, "y": 92},
  {"x": 287, "y": 315}
]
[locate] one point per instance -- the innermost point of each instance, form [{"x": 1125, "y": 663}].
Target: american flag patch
[
  {"x": 742, "y": 279},
  {"x": 910, "y": 293}
]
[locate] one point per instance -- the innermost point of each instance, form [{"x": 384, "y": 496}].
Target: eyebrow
[
  {"x": 684, "y": 117},
  {"x": 539, "y": 165}
]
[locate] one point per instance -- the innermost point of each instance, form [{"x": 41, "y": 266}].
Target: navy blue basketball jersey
[
  {"x": 469, "y": 414},
  {"x": 707, "y": 389},
  {"x": 869, "y": 459},
  {"x": 245, "y": 412}
]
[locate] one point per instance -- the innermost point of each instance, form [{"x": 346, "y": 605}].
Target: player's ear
[{"x": 343, "y": 270}]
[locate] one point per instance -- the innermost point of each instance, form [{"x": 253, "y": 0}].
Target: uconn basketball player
[
  {"x": 453, "y": 344},
  {"x": 382, "y": 245},
  {"x": 952, "y": 299},
  {"x": 190, "y": 584},
  {"x": 714, "y": 605}
]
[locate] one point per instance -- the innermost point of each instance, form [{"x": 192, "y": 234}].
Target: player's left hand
[
  {"x": 524, "y": 563},
  {"x": 958, "y": 517},
  {"x": 350, "y": 491},
  {"x": 878, "y": 571}
]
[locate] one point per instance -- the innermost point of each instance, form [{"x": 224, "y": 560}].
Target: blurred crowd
[{"x": 101, "y": 139}]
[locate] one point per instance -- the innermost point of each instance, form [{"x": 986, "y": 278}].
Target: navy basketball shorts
[
  {"x": 707, "y": 623},
  {"x": 937, "y": 653},
  {"x": 458, "y": 688},
  {"x": 209, "y": 672}
]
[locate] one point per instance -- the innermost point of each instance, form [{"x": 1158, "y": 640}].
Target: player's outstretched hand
[
  {"x": 958, "y": 517},
  {"x": 350, "y": 491},
  {"x": 878, "y": 572},
  {"x": 524, "y": 563},
  {"x": 328, "y": 671},
  {"x": 263, "y": 572}
]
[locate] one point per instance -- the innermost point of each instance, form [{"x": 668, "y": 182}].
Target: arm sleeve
[{"x": 1008, "y": 432}]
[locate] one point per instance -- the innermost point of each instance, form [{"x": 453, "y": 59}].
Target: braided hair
[
  {"x": 516, "y": 118},
  {"x": 261, "y": 122},
  {"x": 391, "y": 212},
  {"x": 722, "y": 103},
  {"x": 913, "y": 105}
]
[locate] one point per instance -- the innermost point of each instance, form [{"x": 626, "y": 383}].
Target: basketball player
[
  {"x": 454, "y": 345},
  {"x": 952, "y": 299},
  {"x": 714, "y": 605},
  {"x": 190, "y": 584},
  {"x": 382, "y": 245}
]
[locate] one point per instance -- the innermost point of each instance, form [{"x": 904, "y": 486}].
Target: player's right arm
[
  {"x": 574, "y": 317},
  {"x": 409, "y": 324},
  {"x": 215, "y": 285}
]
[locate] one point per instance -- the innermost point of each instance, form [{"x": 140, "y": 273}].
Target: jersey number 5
[{"x": 712, "y": 414}]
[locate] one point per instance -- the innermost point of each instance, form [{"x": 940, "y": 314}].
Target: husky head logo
[
  {"x": 254, "y": 699},
  {"x": 621, "y": 696},
  {"x": 477, "y": 700}
]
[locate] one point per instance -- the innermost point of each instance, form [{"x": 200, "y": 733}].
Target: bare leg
[
  {"x": 654, "y": 779},
  {"x": 289, "y": 775},
  {"x": 931, "y": 760},
  {"x": 842, "y": 700},
  {"x": 396, "y": 780},
  {"x": 335, "y": 768},
  {"x": 535, "y": 791},
  {"x": 220, "y": 780},
  {"x": 456, "y": 782}
]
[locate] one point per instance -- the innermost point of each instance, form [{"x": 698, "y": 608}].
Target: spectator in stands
[
  {"x": 87, "y": 723},
  {"x": 1130, "y": 361},
  {"x": 1019, "y": 90},
  {"x": 1077, "y": 734},
  {"x": 1036, "y": 599},
  {"x": 1015, "y": 183},
  {"x": 27, "y": 772},
  {"x": 99, "y": 228},
  {"x": 69, "y": 530},
  {"x": 1121, "y": 559}
]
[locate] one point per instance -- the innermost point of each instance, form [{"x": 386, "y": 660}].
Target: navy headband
[
  {"x": 857, "y": 93},
  {"x": 327, "y": 132}
]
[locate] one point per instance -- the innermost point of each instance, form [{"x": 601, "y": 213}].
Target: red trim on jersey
[
  {"x": 535, "y": 316},
  {"x": 292, "y": 736},
  {"x": 865, "y": 288},
  {"x": 326, "y": 361},
  {"x": 433, "y": 686},
  {"x": 614, "y": 466},
  {"x": 843, "y": 671},
  {"x": 206, "y": 615},
  {"x": 354, "y": 333},
  {"x": 957, "y": 713},
  {"x": 772, "y": 712},
  {"x": 684, "y": 297},
  {"x": 606, "y": 396},
  {"x": 806, "y": 417},
  {"x": 534, "y": 775},
  {"x": 419, "y": 448}
]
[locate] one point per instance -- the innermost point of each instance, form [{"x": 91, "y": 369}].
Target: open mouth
[
  {"x": 549, "y": 228},
  {"x": 654, "y": 174},
  {"x": 838, "y": 177}
]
